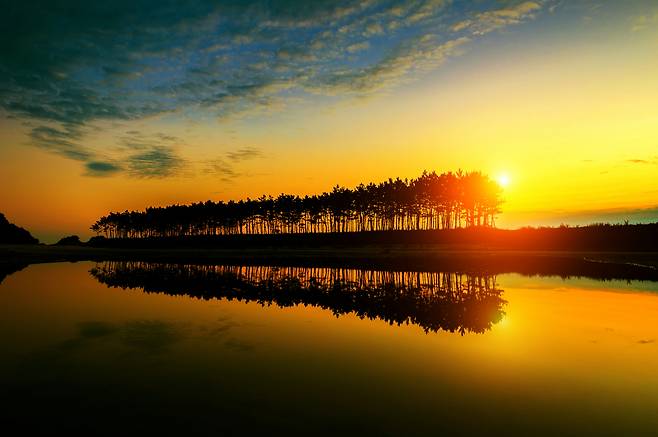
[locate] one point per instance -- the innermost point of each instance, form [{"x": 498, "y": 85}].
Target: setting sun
[{"x": 503, "y": 180}]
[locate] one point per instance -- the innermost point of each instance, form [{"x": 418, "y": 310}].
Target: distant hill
[
  {"x": 12, "y": 234},
  {"x": 72, "y": 240}
]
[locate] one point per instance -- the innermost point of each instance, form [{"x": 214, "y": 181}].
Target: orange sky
[{"x": 562, "y": 100}]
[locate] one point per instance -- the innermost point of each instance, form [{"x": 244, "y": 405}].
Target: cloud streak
[
  {"x": 643, "y": 161},
  {"x": 488, "y": 21},
  {"x": 244, "y": 154},
  {"x": 99, "y": 168},
  {"x": 154, "y": 162},
  {"x": 225, "y": 167}
]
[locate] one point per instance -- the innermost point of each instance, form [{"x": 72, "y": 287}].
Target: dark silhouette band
[
  {"x": 431, "y": 201},
  {"x": 434, "y": 301}
]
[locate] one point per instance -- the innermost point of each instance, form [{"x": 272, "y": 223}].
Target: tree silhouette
[
  {"x": 431, "y": 300},
  {"x": 431, "y": 201}
]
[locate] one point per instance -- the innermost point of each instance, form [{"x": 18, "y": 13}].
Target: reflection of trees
[
  {"x": 7, "y": 268},
  {"x": 433, "y": 301}
]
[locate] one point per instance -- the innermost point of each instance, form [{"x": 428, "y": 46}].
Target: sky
[{"x": 127, "y": 104}]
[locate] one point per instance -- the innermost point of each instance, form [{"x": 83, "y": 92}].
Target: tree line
[{"x": 430, "y": 201}]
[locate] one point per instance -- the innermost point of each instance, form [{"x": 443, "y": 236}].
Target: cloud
[
  {"x": 643, "y": 22},
  {"x": 154, "y": 162},
  {"x": 137, "y": 140},
  {"x": 136, "y": 154},
  {"x": 244, "y": 154},
  {"x": 421, "y": 54},
  {"x": 488, "y": 21},
  {"x": 643, "y": 160},
  {"x": 358, "y": 47},
  {"x": 59, "y": 141},
  {"x": 373, "y": 28},
  {"x": 76, "y": 64},
  {"x": 99, "y": 168},
  {"x": 633, "y": 215},
  {"x": 225, "y": 167}
]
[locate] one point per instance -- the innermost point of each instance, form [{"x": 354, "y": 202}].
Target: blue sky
[{"x": 67, "y": 65}]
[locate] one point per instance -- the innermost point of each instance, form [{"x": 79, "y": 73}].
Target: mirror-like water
[
  {"x": 139, "y": 347},
  {"x": 433, "y": 301}
]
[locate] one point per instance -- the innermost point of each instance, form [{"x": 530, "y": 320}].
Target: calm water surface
[{"x": 135, "y": 347}]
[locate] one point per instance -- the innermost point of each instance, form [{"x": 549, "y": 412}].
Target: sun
[{"x": 503, "y": 180}]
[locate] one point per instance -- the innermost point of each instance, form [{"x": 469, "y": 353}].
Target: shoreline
[{"x": 409, "y": 257}]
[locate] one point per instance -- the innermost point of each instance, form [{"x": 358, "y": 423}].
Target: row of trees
[{"x": 431, "y": 201}]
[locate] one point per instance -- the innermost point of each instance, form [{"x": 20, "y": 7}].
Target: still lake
[{"x": 126, "y": 347}]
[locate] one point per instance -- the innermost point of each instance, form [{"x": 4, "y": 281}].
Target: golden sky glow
[{"x": 561, "y": 102}]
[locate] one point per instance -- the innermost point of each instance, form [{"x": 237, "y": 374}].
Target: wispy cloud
[
  {"x": 643, "y": 161},
  {"x": 154, "y": 162},
  {"x": 488, "y": 21},
  {"x": 62, "y": 142},
  {"x": 226, "y": 166},
  {"x": 100, "y": 168},
  {"x": 67, "y": 72},
  {"x": 643, "y": 22},
  {"x": 221, "y": 168},
  {"x": 244, "y": 154}
]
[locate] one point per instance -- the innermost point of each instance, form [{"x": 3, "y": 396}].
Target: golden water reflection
[{"x": 568, "y": 357}]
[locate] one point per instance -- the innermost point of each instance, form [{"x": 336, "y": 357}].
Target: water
[{"x": 136, "y": 347}]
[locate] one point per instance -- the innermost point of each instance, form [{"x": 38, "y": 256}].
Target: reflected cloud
[
  {"x": 238, "y": 345},
  {"x": 90, "y": 330},
  {"x": 151, "y": 336},
  {"x": 147, "y": 336}
]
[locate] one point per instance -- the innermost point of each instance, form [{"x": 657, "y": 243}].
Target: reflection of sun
[{"x": 503, "y": 180}]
